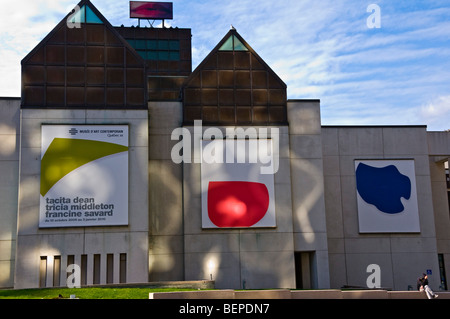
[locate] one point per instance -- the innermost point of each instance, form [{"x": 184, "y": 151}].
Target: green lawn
[{"x": 83, "y": 293}]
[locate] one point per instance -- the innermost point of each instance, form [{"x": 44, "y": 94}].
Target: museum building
[{"x": 120, "y": 159}]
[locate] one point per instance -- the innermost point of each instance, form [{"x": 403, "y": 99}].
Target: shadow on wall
[
  {"x": 9, "y": 170},
  {"x": 241, "y": 258},
  {"x": 166, "y": 262},
  {"x": 33, "y": 242}
]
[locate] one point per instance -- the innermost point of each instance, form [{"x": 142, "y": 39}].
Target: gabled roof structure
[
  {"x": 84, "y": 63},
  {"x": 233, "y": 85}
]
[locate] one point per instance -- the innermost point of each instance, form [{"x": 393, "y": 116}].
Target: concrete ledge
[
  {"x": 203, "y": 294},
  {"x": 263, "y": 294},
  {"x": 443, "y": 294},
  {"x": 193, "y": 284},
  {"x": 407, "y": 295},
  {"x": 316, "y": 294},
  {"x": 365, "y": 294},
  {"x": 416, "y": 295},
  {"x": 295, "y": 294}
]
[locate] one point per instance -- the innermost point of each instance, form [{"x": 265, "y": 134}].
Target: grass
[{"x": 83, "y": 293}]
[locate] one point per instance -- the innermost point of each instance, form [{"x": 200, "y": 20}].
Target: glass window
[
  {"x": 77, "y": 16},
  {"x": 163, "y": 45},
  {"x": 91, "y": 17},
  {"x": 238, "y": 45},
  {"x": 152, "y": 55},
  {"x": 174, "y": 45},
  {"x": 85, "y": 14},
  {"x": 228, "y": 45},
  {"x": 443, "y": 285},
  {"x": 163, "y": 55},
  {"x": 142, "y": 53},
  {"x": 166, "y": 50},
  {"x": 174, "y": 55},
  {"x": 140, "y": 44},
  {"x": 233, "y": 44},
  {"x": 152, "y": 44}
]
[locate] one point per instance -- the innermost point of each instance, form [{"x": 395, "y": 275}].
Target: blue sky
[{"x": 398, "y": 74}]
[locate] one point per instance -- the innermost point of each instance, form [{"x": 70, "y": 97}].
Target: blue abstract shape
[{"x": 383, "y": 187}]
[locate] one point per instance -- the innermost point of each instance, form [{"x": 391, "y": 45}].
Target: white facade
[{"x": 37, "y": 248}]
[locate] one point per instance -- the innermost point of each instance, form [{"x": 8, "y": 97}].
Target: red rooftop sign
[{"x": 151, "y": 10}]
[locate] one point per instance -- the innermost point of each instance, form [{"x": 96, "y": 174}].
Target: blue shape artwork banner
[
  {"x": 383, "y": 187},
  {"x": 386, "y": 196}
]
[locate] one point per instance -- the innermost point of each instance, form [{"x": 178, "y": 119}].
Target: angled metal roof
[
  {"x": 234, "y": 86},
  {"x": 64, "y": 22},
  {"x": 233, "y": 32},
  {"x": 86, "y": 66}
]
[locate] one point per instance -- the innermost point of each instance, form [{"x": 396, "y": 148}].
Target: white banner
[
  {"x": 235, "y": 194},
  {"x": 387, "y": 196},
  {"x": 84, "y": 175}
]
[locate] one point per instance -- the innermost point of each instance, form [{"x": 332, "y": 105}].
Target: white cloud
[
  {"x": 21, "y": 30},
  {"x": 436, "y": 113}
]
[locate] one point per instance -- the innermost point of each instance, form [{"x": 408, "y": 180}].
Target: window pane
[
  {"x": 143, "y": 54},
  {"x": 152, "y": 44},
  {"x": 152, "y": 55},
  {"x": 174, "y": 56},
  {"x": 78, "y": 16},
  {"x": 140, "y": 44},
  {"x": 238, "y": 45},
  {"x": 163, "y": 55},
  {"x": 91, "y": 17},
  {"x": 174, "y": 45},
  {"x": 228, "y": 45},
  {"x": 163, "y": 45}
]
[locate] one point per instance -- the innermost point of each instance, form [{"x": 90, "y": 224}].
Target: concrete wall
[
  {"x": 242, "y": 258},
  {"x": 166, "y": 240},
  {"x": 439, "y": 151},
  {"x": 402, "y": 257},
  {"x": 32, "y": 242},
  {"x": 295, "y": 294},
  {"x": 264, "y": 258},
  {"x": 9, "y": 176},
  {"x": 315, "y": 206},
  {"x": 308, "y": 201},
  {"x": 441, "y": 211},
  {"x": 439, "y": 143}
]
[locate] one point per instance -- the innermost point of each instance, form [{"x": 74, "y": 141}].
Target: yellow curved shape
[{"x": 65, "y": 155}]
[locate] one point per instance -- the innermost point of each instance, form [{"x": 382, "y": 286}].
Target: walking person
[{"x": 422, "y": 285}]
